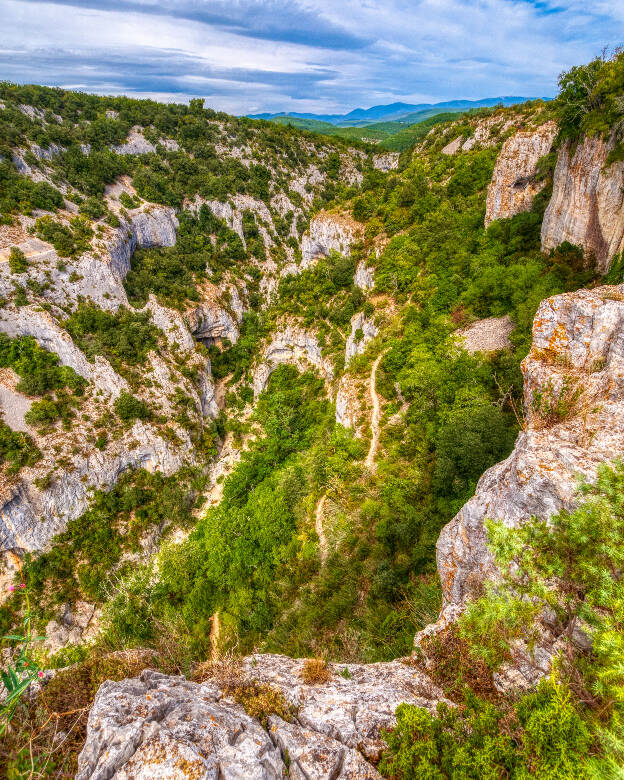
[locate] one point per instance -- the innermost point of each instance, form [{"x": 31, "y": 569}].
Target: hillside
[
  {"x": 397, "y": 120},
  {"x": 264, "y": 394}
]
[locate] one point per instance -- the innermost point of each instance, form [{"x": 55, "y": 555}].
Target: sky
[{"x": 322, "y": 56}]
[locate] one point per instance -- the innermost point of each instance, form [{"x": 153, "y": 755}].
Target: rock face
[
  {"x": 166, "y": 727},
  {"x": 349, "y": 404},
  {"x": 363, "y": 277},
  {"x": 363, "y": 330},
  {"x": 295, "y": 346},
  {"x": 586, "y": 207},
  {"x": 329, "y": 232},
  {"x": 386, "y": 162},
  {"x": 577, "y": 354},
  {"x": 42, "y": 499},
  {"x": 513, "y": 186}
]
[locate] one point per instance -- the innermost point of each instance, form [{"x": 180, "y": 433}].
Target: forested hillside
[{"x": 248, "y": 374}]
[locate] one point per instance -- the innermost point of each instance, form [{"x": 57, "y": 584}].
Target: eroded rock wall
[
  {"x": 587, "y": 204},
  {"x": 514, "y": 184},
  {"x": 295, "y": 346},
  {"x": 327, "y": 233}
]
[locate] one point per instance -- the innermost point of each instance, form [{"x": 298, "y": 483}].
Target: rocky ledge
[{"x": 167, "y": 727}]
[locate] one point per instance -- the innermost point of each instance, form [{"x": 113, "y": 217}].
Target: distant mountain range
[{"x": 405, "y": 113}]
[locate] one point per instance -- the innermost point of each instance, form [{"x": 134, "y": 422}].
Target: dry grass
[
  {"x": 315, "y": 671},
  {"x": 259, "y": 700}
]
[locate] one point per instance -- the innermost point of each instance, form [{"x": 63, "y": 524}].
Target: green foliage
[
  {"x": 38, "y": 369},
  {"x": 93, "y": 208},
  {"x": 230, "y": 559},
  {"x": 590, "y": 98},
  {"x": 82, "y": 557},
  {"x": 16, "y": 449},
  {"x": 542, "y": 736},
  {"x": 173, "y": 273},
  {"x": 18, "y": 263},
  {"x": 21, "y": 670},
  {"x": 124, "y": 338},
  {"x": 20, "y": 195},
  {"x": 68, "y": 240},
  {"x": 129, "y": 408},
  {"x": 569, "y": 566}
]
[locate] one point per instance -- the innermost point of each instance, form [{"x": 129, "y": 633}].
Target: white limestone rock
[
  {"x": 329, "y": 232},
  {"x": 356, "y": 344},
  {"x": 587, "y": 204},
  {"x": 513, "y": 186},
  {"x": 295, "y": 346}
]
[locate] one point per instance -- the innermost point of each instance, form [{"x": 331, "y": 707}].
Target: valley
[{"x": 309, "y": 445}]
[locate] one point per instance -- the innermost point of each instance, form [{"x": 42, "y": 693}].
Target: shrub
[
  {"x": 128, "y": 408},
  {"x": 124, "y": 337},
  {"x": 18, "y": 263},
  {"x": 542, "y": 736},
  {"x": 17, "y": 449},
  {"x": 315, "y": 671}
]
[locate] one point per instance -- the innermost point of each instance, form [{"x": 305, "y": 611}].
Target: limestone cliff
[
  {"x": 39, "y": 502},
  {"x": 293, "y": 345},
  {"x": 577, "y": 357},
  {"x": 586, "y": 207},
  {"x": 329, "y": 232},
  {"x": 514, "y": 185}
]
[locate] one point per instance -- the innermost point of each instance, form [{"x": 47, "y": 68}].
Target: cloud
[{"x": 310, "y": 55}]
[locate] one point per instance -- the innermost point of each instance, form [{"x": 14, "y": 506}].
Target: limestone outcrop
[
  {"x": 514, "y": 184},
  {"x": 587, "y": 204},
  {"x": 363, "y": 276},
  {"x": 295, "y": 346},
  {"x": 363, "y": 330},
  {"x": 577, "y": 356},
  {"x": 329, "y": 232},
  {"x": 161, "y": 726}
]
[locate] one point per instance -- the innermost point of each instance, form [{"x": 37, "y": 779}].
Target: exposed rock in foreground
[
  {"x": 577, "y": 358},
  {"x": 514, "y": 185},
  {"x": 586, "y": 207},
  {"x": 166, "y": 727}
]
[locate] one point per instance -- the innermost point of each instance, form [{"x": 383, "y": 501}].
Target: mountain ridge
[{"x": 395, "y": 111}]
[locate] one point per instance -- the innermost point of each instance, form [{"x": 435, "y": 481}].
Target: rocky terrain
[{"x": 159, "y": 726}]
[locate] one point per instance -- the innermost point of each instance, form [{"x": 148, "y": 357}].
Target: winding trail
[
  {"x": 318, "y": 527},
  {"x": 372, "y": 450}
]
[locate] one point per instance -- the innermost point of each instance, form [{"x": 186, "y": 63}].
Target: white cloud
[{"x": 315, "y": 55}]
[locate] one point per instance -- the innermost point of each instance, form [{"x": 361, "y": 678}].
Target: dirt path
[
  {"x": 320, "y": 531},
  {"x": 372, "y": 451}
]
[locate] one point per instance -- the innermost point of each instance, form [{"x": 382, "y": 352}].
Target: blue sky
[{"x": 322, "y": 56}]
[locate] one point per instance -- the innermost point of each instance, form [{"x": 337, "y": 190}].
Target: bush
[
  {"x": 17, "y": 449},
  {"x": 124, "y": 338},
  {"x": 129, "y": 408},
  {"x": 18, "y": 263},
  {"x": 542, "y": 736}
]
